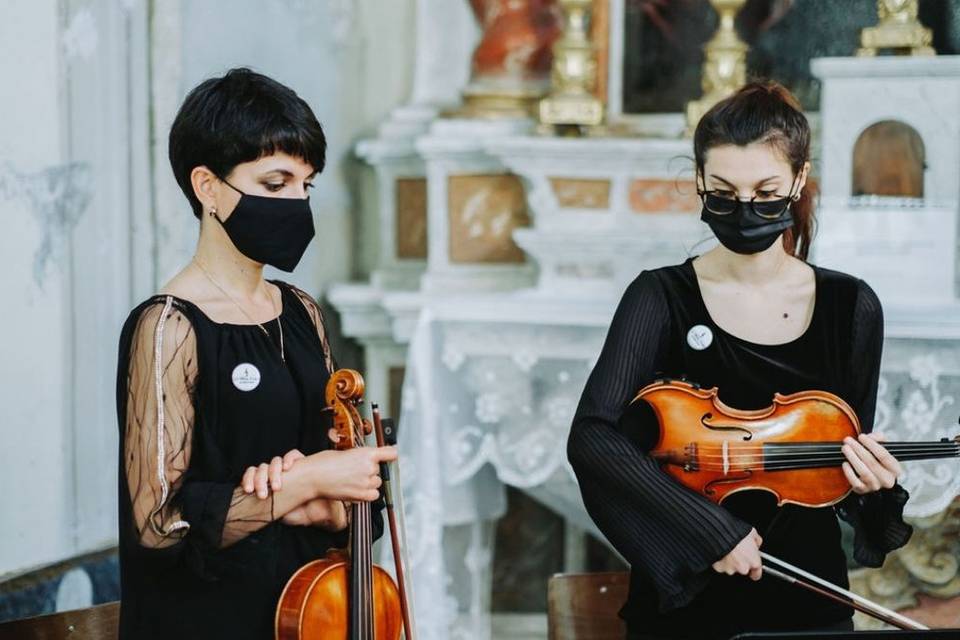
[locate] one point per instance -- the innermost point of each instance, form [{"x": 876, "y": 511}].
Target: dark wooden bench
[
  {"x": 584, "y": 606},
  {"x": 94, "y": 623}
]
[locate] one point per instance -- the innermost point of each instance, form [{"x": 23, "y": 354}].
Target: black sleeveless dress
[
  {"x": 670, "y": 535},
  {"x": 197, "y": 403}
]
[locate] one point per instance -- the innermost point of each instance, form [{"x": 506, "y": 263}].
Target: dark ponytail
[{"x": 765, "y": 112}]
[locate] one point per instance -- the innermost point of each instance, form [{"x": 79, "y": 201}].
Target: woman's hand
[
  {"x": 269, "y": 477},
  {"x": 869, "y": 466},
  {"x": 319, "y": 512},
  {"x": 352, "y": 475},
  {"x": 744, "y": 558}
]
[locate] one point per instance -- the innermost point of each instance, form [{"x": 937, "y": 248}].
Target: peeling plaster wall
[
  {"x": 351, "y": 60},
  {"x": 93, "y": 221},
  {"x": 35, "y": 507}
]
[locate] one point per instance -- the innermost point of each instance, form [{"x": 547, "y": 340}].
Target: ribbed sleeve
[
  {"x": 664, "y": 530},
  {"x": 877, "y": 518}
]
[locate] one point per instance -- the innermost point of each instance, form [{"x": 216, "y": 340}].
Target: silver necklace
[{"x": 244, "y": 312}]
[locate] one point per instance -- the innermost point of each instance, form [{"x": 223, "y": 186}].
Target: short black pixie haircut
[{"x": 238, "y": 118}]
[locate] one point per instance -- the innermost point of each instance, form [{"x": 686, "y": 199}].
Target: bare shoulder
[{"x": 185, "y": 285}]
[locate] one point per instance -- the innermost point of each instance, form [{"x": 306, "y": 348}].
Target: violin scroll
[{"x": 343, "y": 393}]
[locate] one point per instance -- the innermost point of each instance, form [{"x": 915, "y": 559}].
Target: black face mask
[
  {"x": 743, "y": 230},
  {"x": 274, "y": 231}
]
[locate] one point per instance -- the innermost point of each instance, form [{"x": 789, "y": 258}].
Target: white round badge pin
[
  {"x": 245, "y": 376},
  {"x": 699, "y": 337}
]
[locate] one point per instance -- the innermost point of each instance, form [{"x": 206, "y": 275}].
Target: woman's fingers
[
  {"x": 248, "y": 479},
  {"x": 276, "y": 473},
  {"x": 872, "y": 471},
  {"x": 290, "y": 457},
  {"x": 383, "y": 454},
  {"x": 882, "y": 475},
  {"x": 855, "y": 483},
  {"x": 262, "y": 481},
  {"x": 744, "y": 559},
  {"x": 855, "y": 453},
  {"x": 298, "y": 517},
  {"x": 891, "y": 465}
]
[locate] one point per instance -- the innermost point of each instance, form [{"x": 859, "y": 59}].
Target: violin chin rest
[{"x": 639, "y": 423}]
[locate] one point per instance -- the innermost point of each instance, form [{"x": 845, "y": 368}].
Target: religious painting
[
  {"x": 411, "y": 218},
  {"x": 581, "y": 193},
  {"x": 664, "y": 39},
  {"x": 484, "y": 211},
  {"x": 664, "y": 196}
]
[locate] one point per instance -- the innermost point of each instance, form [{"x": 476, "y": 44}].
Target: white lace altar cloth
[{"x": 490, "y": 391}]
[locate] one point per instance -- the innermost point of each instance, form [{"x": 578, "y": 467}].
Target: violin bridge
[{"x": 691, "y": 459}]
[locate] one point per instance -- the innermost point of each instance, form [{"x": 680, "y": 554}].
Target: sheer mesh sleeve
[
  {"x": 316, "y": 316},
  {"x": 168, "y": 507},
  {"x": 663, "y": 529},
  {"x": 877, "y": 517}
]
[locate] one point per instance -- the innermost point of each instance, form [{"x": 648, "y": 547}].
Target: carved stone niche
[{"x": 889, "y": 159}]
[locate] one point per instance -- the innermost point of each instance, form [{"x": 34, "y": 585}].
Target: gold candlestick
[
  {"x": 725, "y": 68},
  {"x": 571, "y": 101},
  {"x": 899, "y": 29}
]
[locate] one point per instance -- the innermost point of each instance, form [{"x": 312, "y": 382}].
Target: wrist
[
  {"x": 309, "y": 473},
  {"x": 297, "y": 487}
]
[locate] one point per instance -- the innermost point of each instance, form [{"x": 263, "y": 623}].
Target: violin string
[
  {"x": 368, "y": 590},
  {"x": 781, "y": 461},
  {"x": 731, "y": 459},
  {"x": 836, "y": 462},
  {"x": 797, "y": 455},
  {"x": 892, "y": 447},
  {"x": 773, "y": 453},
  {"x": 734, "y": 457},
  {"x": 818, "y": 456},
  {"x": 367, "y": 534},
  {"x": 786, "y": 449}
]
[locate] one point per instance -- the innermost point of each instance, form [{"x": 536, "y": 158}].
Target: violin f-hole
[
  {"x": 708, "y": 416},
  {"x": 709, "y": 490}
]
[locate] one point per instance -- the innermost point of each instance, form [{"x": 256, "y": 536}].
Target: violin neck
[
  {"x": 361, "y": 572},
  {"x": 806, "y": 455},
  {"x": 923, "y": 450}
]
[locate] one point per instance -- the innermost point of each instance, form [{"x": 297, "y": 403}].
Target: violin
[
  {"x": 344, "y": 595},
  {"x": 791, "y": 449}
]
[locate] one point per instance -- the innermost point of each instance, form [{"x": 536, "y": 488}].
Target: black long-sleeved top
[
  {"x": 198, "y": 402},
  {"x": 669, "y": 534}
]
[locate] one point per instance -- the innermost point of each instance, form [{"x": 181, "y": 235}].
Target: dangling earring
[{"x": 213, "y": 211}]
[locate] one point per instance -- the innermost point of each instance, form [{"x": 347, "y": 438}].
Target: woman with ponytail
[{"x": 753, "y": 318}]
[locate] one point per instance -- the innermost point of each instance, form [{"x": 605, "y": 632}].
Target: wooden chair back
[
  {"x": 94, "y": 623},
  {"x": 584, "y": 606}
]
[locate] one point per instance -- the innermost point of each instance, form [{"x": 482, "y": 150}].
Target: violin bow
[
  {"x": 832, "y": 591},
  {"x": 387, "y": 435}
]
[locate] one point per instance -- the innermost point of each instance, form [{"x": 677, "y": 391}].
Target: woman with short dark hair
[{"x": 227, "y": 483}]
